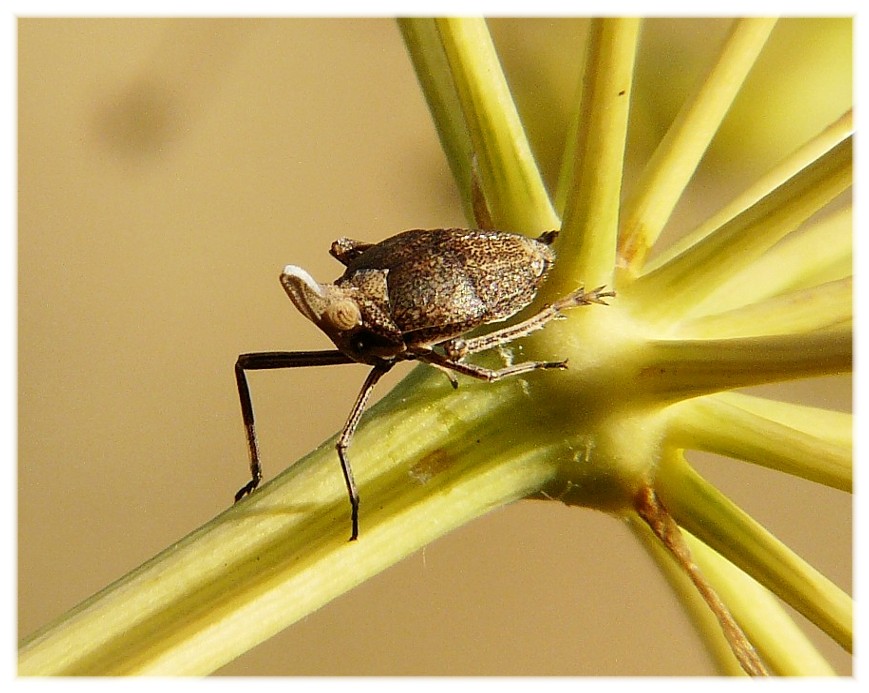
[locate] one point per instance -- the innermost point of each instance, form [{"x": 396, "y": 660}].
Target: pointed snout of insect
[
  {"x": 296, "y": 276},
  {"x": 304, "y": 291}
]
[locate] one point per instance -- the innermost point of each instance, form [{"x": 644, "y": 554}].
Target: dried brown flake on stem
[{"x": 656, "y": 516}]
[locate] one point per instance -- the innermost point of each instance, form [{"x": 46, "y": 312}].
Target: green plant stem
[
  {"x": 426, "y": 51},
  {"x": 509, "y": 177},
  {"x": 678, "y": 286},
  {"x": 821, "y": 253},
  {"x": 818, "y": 307},
  {"x": 678, "y": 369},
  {"x": 717, "y": 423},
  {"x": 705, "y": 622},
  {"x": 780, "y": 642},
  {"x": 678, "y": 154},
  {"x": 587, "y": 246},
  {"x": 649, "y": 508},
  {"x": 283, "y": 552},
  {"x": 763, "y": 186},
  {"x": 833, "y": 426},
  {"x": 428, "y": 458}
]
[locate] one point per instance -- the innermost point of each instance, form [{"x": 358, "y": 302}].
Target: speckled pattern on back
[{"x": 448, "y": 281}]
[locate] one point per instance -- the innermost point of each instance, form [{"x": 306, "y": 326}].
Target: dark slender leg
[
  {"x": 347, "y": 435},
  {"x": 264, "y": 361}
]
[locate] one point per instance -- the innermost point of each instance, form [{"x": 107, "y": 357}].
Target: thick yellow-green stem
[
  {"x": 587, "y": 248},
  {"x": 283, "y": 553}
]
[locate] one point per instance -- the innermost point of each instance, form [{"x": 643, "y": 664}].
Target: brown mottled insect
[{"x": 412, "y": 297}]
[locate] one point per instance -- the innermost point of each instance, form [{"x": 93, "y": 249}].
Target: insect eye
[
  {"x": 365, "y": 341},
  {"x": 362, "y": 342}
]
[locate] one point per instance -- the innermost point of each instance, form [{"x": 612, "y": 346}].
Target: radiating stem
[
  {"x": 763, "y": 186},
  {"x": 833, "y": 426},
  {"x": 705, "y": 622},
  {"x": 677, "y": 369},
  {"x": 820, "y": 253},
  {"x": 509, "y": 176},
  {"x": 423, "y": 42},
  {"x": 674, "y": 288},
  {"x": 778, "y": 639},
  {"x": 589, "y": 232},
  {"x": 705, "y": 512},
  {"x": 677, "y": 156},
  {"x": 807, "y": 310},
  {"x": 717, "y": 424}
]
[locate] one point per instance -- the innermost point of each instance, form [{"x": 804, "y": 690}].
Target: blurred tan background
[{"x": 168, "y": 169}]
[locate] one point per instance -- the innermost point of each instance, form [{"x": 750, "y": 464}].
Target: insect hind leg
[{"x": 458, "y": 348}]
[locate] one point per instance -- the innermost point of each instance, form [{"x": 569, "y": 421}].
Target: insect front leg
[
  {"x": 345, "y": 250},
  {"x": 268, "y": 360}
]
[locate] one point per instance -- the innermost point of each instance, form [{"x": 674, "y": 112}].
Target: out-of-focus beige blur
[{"x": 168, "y": 169}]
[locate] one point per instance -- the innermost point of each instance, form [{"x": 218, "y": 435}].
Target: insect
[{"x": 414, "y": 297}]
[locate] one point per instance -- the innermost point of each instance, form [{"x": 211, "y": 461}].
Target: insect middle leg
[
  {"x": 346, "y": 436},
  {"x": 481, "y": 372}
]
